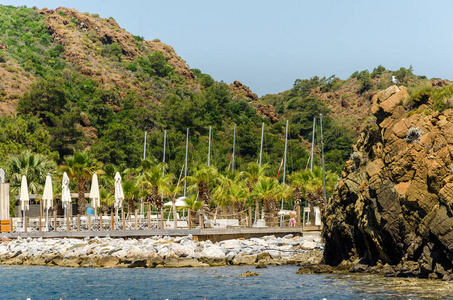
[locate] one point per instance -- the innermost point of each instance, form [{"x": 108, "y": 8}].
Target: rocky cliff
[{"x": 394, "y": 204}]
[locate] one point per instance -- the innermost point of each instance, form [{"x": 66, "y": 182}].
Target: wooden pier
[{"x": 213, "y": 234}]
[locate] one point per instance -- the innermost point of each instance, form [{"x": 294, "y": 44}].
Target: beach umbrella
[
  {"x": 179, "y": 202},
  {"x": 94, "y": 193},
  {"x": 119, "y": 195},
  {"x": 47, "y": 197},
  {"x": 65, "y": 193},
  {"x": 24, "y": 199}
]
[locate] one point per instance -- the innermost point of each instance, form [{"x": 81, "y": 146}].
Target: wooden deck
[{"x": 213, "y": 234}]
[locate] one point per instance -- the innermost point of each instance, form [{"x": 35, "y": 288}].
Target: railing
[{"x": 135, "y": 221}]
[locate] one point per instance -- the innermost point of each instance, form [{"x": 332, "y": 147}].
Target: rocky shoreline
[
  {"x": 406, "y": 270},
  {"x": 161, "y": 252}
]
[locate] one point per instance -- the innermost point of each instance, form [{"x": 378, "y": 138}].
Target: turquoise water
[{"x": 22, "y": 282}]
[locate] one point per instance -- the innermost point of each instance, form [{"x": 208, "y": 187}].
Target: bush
[
  {"x": 132, "y": 67},
  {"x": 377, "y": 71},
  {"x": 366, "y": 83},
  {"x": 159, "y": 64},
  {"x": 115, "y": 51},
  {"x": 3, "y": 57},
  {"x": 404, "y": 74},
  {"x": 413, "y": 134},
  {"x": 443, "y": 98},
  {"x": 139, "y": 38},
  {"x": 418, "y": 96}
]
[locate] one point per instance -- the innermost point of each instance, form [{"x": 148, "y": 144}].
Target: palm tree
[
  {"x": 152, "y": 182},
  {"x": 308, "y": 185},
  {"x": 80, "y": 167},
  {"x": 254, "y": 173},
  {"x": 230, "y": 194},
  {"x": 170, "y": 192},
  {"x": 34, "y": 166},
  {"x": 269, "y": 191},
  {"x": 131, "y": 192},
  {"x": 107, "y": 199},
  {"x": 204, "y": 177},
  {"x": 192, "y": 203}
]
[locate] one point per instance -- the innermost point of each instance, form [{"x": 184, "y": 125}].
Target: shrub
[
  {"x": 366, "y": 83},
  {"x": 404, "y": 74},
  {"x": 139, "y": 38},
  {"x": 61, "y": 13},
  {"x": 115, "y": 51},
  {"x": 413, "y": 134},
  {"x": 443, "y": 98},
  {"x": 418, "y": 95},
  {"x": 377, "y": 71},
  {"x": 3, "y": 57},
  {"x": 132, "y": 67}
]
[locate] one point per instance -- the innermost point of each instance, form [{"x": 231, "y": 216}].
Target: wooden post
[
  {"x": 55, "y": 220},
  {"x": 40, "y": 222},
  {"x": 250, "y": 218},
  {"x": 298, "y": 215},
  {"x": 136, "y": 220},
  {"x": 100, "y": 221},
  {"x": 89, "y": 222},
  {"x": 25, "y": 223},
  {"x": 200, "y": 218},
  {"x": 189, "y": 219},
  {"x": 162, "y": 221},
  {"x": 78, "y": 222},
  {"x": 11, "y": 225},
  {"x": 67, "y": 221},
  {"x": 124, "y": 220},
  {"x": 113, "y": 221}
]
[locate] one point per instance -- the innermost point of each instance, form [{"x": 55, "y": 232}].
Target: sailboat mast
[
  {"x": 261, "y": 147},
  {"x": 185, "y": 163},
  {"x": 165, "y": 145},
  {"x": 312, "y": 145},
  {"x": 234, "y": 145},
  {"x": 322, "y": 158},
  {"x": 144, "y": 147},
  {"x": 284, "y": 166},
  {"x": 209, "y": 147}
]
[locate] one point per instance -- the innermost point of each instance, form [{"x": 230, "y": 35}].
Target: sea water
[{"x": 276, "y": 282}]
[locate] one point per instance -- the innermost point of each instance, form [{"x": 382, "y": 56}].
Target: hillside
[{"x": 74, "y": 81}]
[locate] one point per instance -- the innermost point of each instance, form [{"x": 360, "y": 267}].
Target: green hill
[{"x": 74, "y": 81}]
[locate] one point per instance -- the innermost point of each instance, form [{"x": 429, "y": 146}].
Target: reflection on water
[{"x": 22, "y": 282}]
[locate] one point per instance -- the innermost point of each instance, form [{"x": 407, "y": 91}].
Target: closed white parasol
[
  {"x": 47, "y": 197},
  {"x": 65, "y": 193},
  {"x": 94, "y": 193},
  {"x": 119, "y": 196},
  {"x": 23, "y": 197}
]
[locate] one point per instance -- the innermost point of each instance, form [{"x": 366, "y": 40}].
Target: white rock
[{"x": 213, "y": 252}]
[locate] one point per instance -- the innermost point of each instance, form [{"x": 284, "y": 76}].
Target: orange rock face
[{"x": 398, "y": 205}]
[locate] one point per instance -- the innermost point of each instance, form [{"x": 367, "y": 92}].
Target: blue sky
[{"x": 267, "y": 45}]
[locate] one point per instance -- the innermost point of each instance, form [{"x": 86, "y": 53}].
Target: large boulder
[{"x": 395, "y": 204}]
